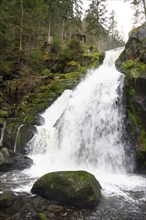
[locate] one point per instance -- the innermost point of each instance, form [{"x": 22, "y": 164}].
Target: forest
[{"x": 27, "y": 26}]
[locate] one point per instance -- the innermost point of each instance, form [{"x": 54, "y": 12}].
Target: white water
[
  {"x": 84, "y": 129},
  {"x": 2, "y": 133},
  {"x": 16, "y": 139}
]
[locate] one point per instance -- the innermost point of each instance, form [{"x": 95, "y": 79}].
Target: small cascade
[
  {"x": 16, "y": 139},
  {"x": 2, "y": 130}
]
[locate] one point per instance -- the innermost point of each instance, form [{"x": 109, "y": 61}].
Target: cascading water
[
  {"x": 90, "y": 131},
  {"x": 84, "y": 129},
  {"x": 2, "y": 129}
]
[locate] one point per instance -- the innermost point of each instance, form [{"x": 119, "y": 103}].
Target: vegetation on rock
[
  {"x": 75, "y": 188},
  {"x": 132, "y": 62}
]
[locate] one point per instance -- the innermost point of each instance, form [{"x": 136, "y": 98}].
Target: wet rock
[
  {"x": 132, "y": 62},
  {"x": 75, "y": 188},
  {"x": 7, "y": 199},
  {"x": 24, "y": 135},
  {"x": 10, "y": 134},
  {"x": 18, "y": 135},
  {"x": 22, "y": 162},
  {"x": 5, "y": 158},
  {"x": 12, "y": 161},
  {"x": 141, "y": 161}
]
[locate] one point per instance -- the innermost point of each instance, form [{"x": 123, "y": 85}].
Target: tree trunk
[
  {"x": 21, "y": 26},
  {"x": 144, "y": 5},
  {"x": 62, "y": 32}
]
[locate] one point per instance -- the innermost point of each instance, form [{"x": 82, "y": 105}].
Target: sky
[{"x": 123, "y": 13}]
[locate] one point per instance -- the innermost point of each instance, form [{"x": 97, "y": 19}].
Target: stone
[
  {"x": 22, "y": 162},
  {"x": 74, "y": 188},
  {"x": 7, "y": 199},
  {"x": 11, "y": 161},
  {"x": 135, "y": 47}
]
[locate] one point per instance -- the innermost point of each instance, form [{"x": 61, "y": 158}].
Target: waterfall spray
[{"x": 2, "y": 133}]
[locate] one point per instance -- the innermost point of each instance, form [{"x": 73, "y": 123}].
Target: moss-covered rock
[
  {"x": 7, "y": 199},
  {"x": 75, "y": 188},
  {"x": 10, "y": 133},
  {"x": 132, "y": 62}
]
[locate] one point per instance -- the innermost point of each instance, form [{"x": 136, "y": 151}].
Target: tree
[
  {"x": 96, "y": 18},
  {"x": 114, "y": 36},
  {"x": 139, "y": 7}
]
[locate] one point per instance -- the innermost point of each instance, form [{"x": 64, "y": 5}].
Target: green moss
[
  {"x": 72, "y": 63},
  {"x": 133, "y": 68},
  {"x": 2, "y": 120},
  {"x": 46, "y": 93},
  {"x": 3, "y": 114},
  {"x": 141, "y": 160},
  {"x": 41, "y": 216},
  {"x": 136, "y": 122},
  {"x": 143, "y": 138},
  {"x": 78, "y": 188}
]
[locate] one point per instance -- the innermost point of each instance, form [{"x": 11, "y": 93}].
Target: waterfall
[
  {"x": 84, "y": 130},
  {"x": 2, "y": 130},
  {"x": 16, "y": 139},
  {"x": 85, "y": 127}
]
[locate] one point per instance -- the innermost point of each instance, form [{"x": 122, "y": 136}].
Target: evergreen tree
[
  {"x": 96, "y": 18},
  {"x": 139, "y": 7},
  {"x": 114, "y": 36}
]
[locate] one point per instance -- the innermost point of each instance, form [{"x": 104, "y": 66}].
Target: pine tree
[
  {"x": 139, "y": 7},
  {"x": 96, "y": 18}
]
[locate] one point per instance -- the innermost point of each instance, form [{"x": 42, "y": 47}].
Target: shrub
[
  {"x": 75, "y": 47},
  {"x": 55, "y": 48}
]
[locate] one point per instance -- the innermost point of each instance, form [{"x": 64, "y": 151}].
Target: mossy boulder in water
[{"x": 75, "y": 188}]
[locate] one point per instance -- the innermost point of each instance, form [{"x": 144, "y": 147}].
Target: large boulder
[{"x": 75, "y": 188}]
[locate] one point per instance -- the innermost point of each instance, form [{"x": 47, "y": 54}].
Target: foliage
[
  {"x": 75, "y": 47},
  {"x": 37, "y": 60},
  {"x": 139, "y": 10},
  {"x": 55, "y": 48},
  {"x": 96, "y": 19},
  {"x": 133, "y": 68}
]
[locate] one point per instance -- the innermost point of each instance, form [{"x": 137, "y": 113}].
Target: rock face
[
  {"x": 132, "y": 62},
  {"x": 134, "y": 48},
  {"x": 75, "y": 188}
]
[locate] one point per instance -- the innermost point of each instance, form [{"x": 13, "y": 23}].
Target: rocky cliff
[{"x": 132, "y": 62}]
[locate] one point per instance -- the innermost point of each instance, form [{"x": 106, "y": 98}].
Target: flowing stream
[{"x": 84, "y": 130}]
